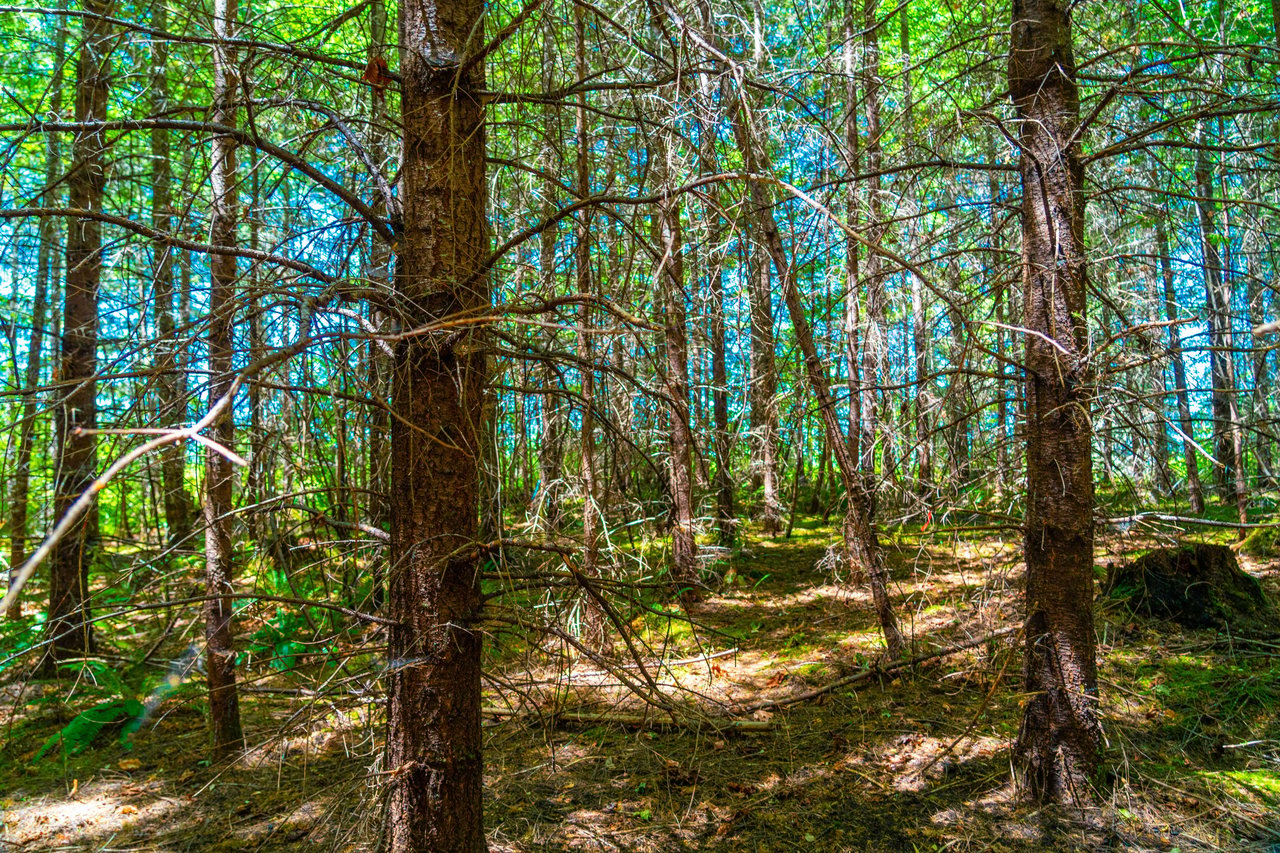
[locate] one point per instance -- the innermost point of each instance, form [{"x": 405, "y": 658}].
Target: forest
[{"x": 597, "y": 425}]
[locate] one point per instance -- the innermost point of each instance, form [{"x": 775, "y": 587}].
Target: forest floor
[{"x": 913, "y": 761}]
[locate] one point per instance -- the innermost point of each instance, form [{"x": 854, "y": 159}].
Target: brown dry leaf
[{"x": 127, "y": 810}]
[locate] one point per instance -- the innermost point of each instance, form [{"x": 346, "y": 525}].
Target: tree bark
[
  {"x": 1058, "y": 746},
  {"x": 68, "y": 628},
  {"x": 224, "y": 704},
  {"x": 433, "y": 754}
]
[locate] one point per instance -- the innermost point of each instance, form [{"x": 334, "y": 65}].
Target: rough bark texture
[
  {"x": 433, "y": 758},
  {"x": 763, "y": 392},
  {"x": 224, "y": 705},
  {"x": 1195, "y": 492},
  {"x": 1059, "y": 742},
  {"x": 68, "y": 627}
]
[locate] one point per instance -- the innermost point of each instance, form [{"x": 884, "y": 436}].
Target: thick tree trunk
[
  {"x": 68, "y": 628},
  {"x": 224, "y": 704},
  {"x": 48, "y": 270},
  {"x": 1058, "y": 746},
  {"x": 1195, "y": 493},
  {"x": 170, "y": 404},
  {"x": 433, "y": 755},
  {"x": 875, "y": 327}
]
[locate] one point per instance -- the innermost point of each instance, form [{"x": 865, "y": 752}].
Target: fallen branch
[
  {"x": 785, "y": 701},
  {"x": 643, "y": 721}
]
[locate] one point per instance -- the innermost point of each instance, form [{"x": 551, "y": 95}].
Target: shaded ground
[{"x": 917, "y": 762}]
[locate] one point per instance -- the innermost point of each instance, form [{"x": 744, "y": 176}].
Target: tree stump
[{"x": 1197, "y": 585}]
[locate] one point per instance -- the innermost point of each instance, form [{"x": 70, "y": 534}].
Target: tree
[
  {"x": 69, "y": 628},
  {"x": 1060, "y": 740},
  {"x": 226, "y": 734},
  {"x": 433, "y": 682}
]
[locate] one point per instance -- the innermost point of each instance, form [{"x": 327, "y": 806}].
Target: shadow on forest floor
[{"x": 915, "y": 762}]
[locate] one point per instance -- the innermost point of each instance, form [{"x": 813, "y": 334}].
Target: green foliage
[
  {"x": 276, "y": 640},
  {"x": 87, "y": 727}
]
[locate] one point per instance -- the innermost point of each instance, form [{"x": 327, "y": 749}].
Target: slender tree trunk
[
  {"x": 48, "y": 270},
  {"x": 1002, "y": 309},
  {"x": 69, "y": 628},
  {"x": 1195, "y": 493},
  {"x": 595, "y": 634},
  {"x": 172, "y": 406},
  {"x": 379, "y": 368},
  {"x": 434, "y": 764},
  {"x": 852, "y": 273},
  {"x": 550, "y": 445},
  {"x": 1228, "y": 435},
  {"x": 875, "y": 327},
  {"x": 921, "y": 340},
  {"x": 763, "y": 391},
  {"x": 1060, "y": 740},
  {"x": 861, "y": 542},
  {"x": 670, "y": 240},
  {"x": 224, "y": 704}
]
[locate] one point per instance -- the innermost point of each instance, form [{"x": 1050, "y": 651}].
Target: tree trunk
[
  {"x": 379, "y": 368},
  {"x": 763, "y": 391},
  {"x": 433, "y": 755},
  {"x": 1195, "y": 493},
  {"x": 862, "y": 545},
  {"x": 47, "y": 273},
  {"x": 224, "y": 704},
  {"x": 171, "y": 405},
  {"x": 68, "y": 628},
  {"x": 1058, "y": 746},
  {"x": 875, "y": 326},
  {"x": 1228, "y": 444},
  {"x": 595, "y": 634},
  {"x": 670, "y": 240}
]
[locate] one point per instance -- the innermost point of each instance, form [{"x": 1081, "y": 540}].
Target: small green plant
[{"x": 88, "y": 726}]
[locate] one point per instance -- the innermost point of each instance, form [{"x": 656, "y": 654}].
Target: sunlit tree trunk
[
  {"x": 1060, "y": 740},
  {"x": 68, "y": 628},
  {"x": 224, "y": 705},
  {"x": 433, "y": 746}
]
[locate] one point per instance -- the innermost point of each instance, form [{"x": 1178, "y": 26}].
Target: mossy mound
[
  {"x": 1262, "y": 542},
  {"x": 1197, "y": 586}
]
